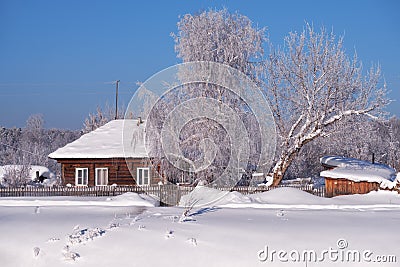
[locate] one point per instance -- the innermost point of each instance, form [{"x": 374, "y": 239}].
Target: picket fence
[{"x": 167, "y": 194}]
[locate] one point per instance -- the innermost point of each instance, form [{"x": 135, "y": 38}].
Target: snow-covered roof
[
  {"x": 358, "y": 170},
  {"x": 340, "y": 161},
  {"x": 106, "y": 141}
]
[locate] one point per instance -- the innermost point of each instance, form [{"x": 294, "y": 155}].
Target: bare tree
[
  {"x": 34, "y": 140},
  {"x": 95, "y": 120},
  {"x": 16, "y": 175},
  {"x": 312, "y": 85},
  {"x": 393, "y": 152},
  {"x": 98, "y": 119},
  {"x": 35, "y": 122}
]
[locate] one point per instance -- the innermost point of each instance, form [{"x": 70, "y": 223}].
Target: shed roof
[{"x": 116, "y": 139}]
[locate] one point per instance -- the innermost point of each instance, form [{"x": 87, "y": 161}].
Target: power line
[
  {"x": 61, "y": 84},
  {"x": 68, "y": 93}
]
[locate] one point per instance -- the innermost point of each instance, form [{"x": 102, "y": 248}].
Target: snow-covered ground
[{"x": 274, "y": 228}]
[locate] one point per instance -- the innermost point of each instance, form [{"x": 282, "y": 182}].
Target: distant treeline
[
  {"x": 363, "y": 139},
  {"x": 32, "y": 144}
]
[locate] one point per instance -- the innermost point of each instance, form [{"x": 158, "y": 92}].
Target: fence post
[
  {"x": 160, "y": 194},
  {"x": 178, "y": 195}
]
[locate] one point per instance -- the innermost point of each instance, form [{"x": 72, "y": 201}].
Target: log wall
[
  {"x": 337, "y": 187},
  {"x": 118, "y": 170}
]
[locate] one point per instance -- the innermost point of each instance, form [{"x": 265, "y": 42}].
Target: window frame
[
  {"x": 83, "y": 178},
  {"x": 95, "y": 174},
  {"x": 142, "y": 169}
]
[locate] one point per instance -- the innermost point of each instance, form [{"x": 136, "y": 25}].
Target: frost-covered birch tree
[
  {"x": 223, "y": 37},
  {"x": 215, "y": 36},
  {"x": 312, "y": 85},
  {"x": 34, "y": 140}
]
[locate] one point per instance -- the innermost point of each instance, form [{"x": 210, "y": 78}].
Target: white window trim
[
  {"x": 137, "y": 175},
  {"x": 95, "y": 171},
  {"x": 76, "y": 176}
]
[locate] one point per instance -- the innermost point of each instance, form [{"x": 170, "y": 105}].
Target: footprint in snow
[
  {"x": 37, "y": 210},
  {"x": 192, "y": 241},
  {"x": 76, "y": 228},
  {"x": 113, "y": 225},
  {"x": 36, "y": 251},
  {"x": 173, "y": 218},
  {"x": 68, "y": 254},
  {"x": 280, "y": 213},
  {"x": 169, "y": 234}
]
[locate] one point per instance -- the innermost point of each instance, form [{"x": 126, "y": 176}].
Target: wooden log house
[{"x": 113, "y": 154}]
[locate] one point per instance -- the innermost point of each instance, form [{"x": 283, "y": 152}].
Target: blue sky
[{"x": 58, "y": 58}]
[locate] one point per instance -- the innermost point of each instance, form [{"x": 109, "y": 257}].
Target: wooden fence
[{"x": 167, "y": 194}]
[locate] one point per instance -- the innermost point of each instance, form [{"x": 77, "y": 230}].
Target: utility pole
[{"x": 116, "y": 99}]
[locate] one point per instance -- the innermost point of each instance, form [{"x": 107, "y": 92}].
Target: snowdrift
[
  {"x": 206, "y": 196},
  {"x": 287, "y": 197}
]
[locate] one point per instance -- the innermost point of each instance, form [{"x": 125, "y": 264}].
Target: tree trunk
[
  {"x": 279, "y": 172},
  {"x": 281, "y": 167}
]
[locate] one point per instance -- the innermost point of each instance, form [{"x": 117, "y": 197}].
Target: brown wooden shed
[
  {"x": 345, "y": 176},
  {"x": 343, "y": 186},
  {"x": 112, "y": 154}
]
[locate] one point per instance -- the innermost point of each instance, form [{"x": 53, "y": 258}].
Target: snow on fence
[{"x": 165, "y": 193}]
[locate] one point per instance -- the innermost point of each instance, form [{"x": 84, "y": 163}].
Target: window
[
  {"x": 101, "y": 176},
  {"x": 81, "y": 176},
  {"x": 143, "y": 176}
]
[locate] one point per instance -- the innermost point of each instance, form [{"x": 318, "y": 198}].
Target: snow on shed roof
[
  {"x": 339, "y": 161},
  {"x": 359, "y": 170},
  {"x": 106, "y": 141}
]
